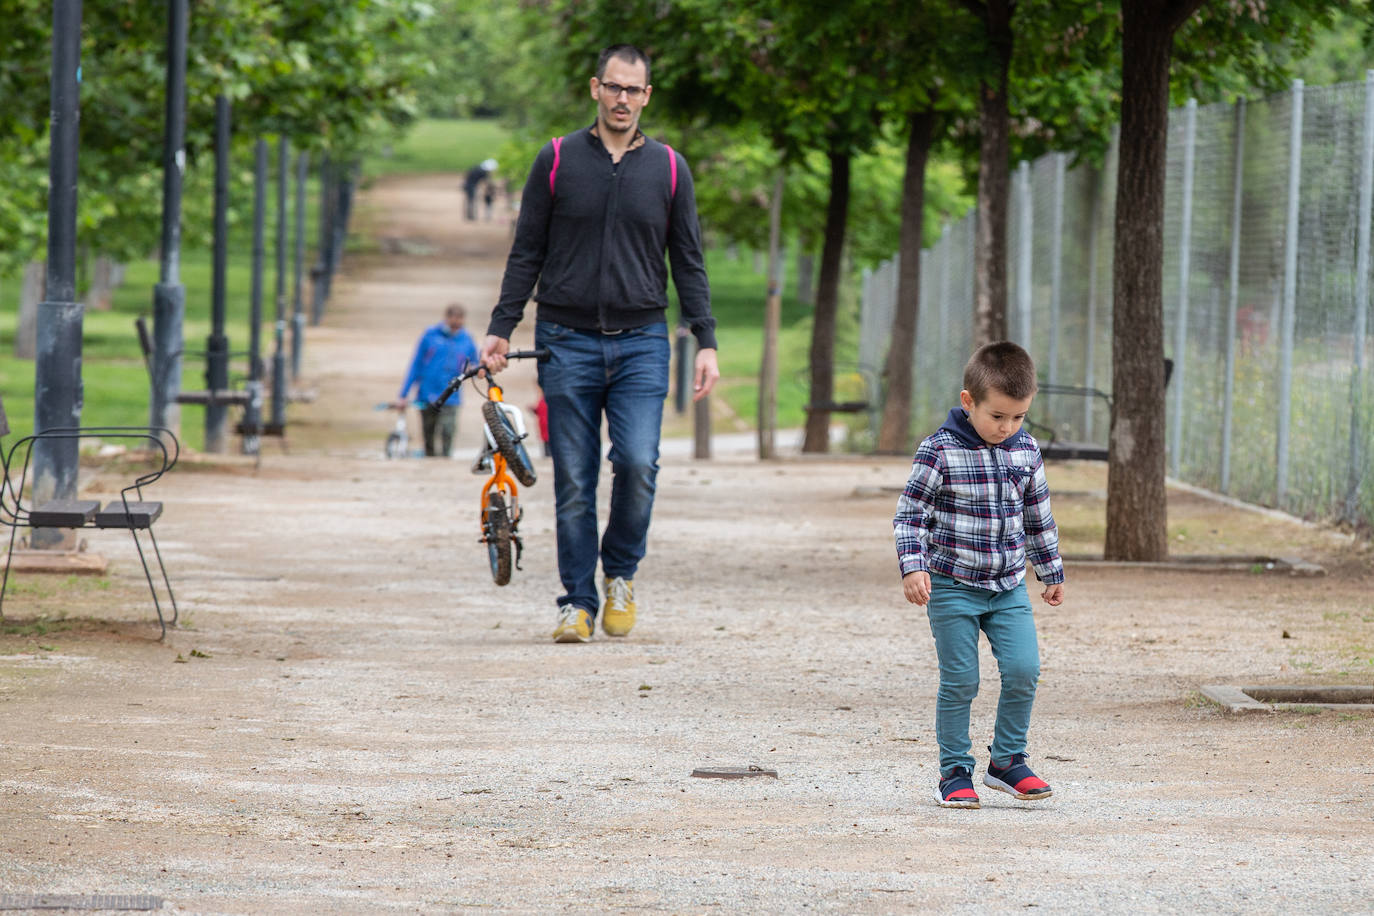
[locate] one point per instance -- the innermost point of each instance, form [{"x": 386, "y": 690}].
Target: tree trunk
[
  {"x": 827, "y": 304},
  {"x": 894, "y": 431},
  {"x": 994, "y": 182},
  {"x": 101, "y": 292},
  {"x": 772, "y": 321},
  {"x": 35, "y": 287},
  {"x": 1136, "y": 500}
]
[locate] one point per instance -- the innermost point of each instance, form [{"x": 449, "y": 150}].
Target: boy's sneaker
[
  {"x": 618, "y": 614},
  {"x": 1016, "y": 779},
  {"x": 574, "y": 625},
  {"x": 956, "y": 790}
]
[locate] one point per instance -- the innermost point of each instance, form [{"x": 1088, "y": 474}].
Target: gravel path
[{"x": 354, "y": 719}]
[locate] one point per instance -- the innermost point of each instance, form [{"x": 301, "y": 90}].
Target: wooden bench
[
  {"x": 131, "y": 511},
  {"x": 868, "y": 379}
]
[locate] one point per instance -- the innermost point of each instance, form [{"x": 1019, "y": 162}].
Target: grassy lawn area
[
  {"x": 439, "y": 146},
  {"x": 112, "y": 370},
  {"x": 116, "y": 382},
  {"x": 737, "y": 301}
]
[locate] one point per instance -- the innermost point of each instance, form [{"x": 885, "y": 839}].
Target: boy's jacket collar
[{"x": 958, "y": 424}]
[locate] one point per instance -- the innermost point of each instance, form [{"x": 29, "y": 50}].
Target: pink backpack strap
[
  {"x": 672, "y": 168},
  {"x": 557, "y": 152}
]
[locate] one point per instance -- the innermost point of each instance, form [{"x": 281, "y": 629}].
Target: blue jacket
[{"x": 440, "y": 355}]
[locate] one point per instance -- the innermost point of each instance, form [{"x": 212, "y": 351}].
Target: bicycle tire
[
  {"x": 497, "y": 528},
  {"x": 508, "y": 444},
  {"x": 394, "y": 448}
]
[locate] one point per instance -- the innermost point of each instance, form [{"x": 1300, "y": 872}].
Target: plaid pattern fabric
[{"x": 975, "y": 512}]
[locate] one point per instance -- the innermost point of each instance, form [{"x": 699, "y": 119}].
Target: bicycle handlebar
[{"x": 540, "y": 355}]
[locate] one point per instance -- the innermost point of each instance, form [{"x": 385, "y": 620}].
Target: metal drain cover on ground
[
  {"x": 79, "y": 902},
  {"x": 732, "y": 772},
  {"x": 1233, "y": 698}
]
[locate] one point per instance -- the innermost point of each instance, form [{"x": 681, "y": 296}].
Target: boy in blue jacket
[
  {"x": 444, "y": 351},
  {"x": 975, "y": 507}
]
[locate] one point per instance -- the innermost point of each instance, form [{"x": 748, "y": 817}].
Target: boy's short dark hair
[
  {"x": 1003, "y": 367},
  {"x": 628, "y": 53}
]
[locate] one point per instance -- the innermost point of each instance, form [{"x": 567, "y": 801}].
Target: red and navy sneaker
[
  {"x": 1016, "y": 779},
  {"x": 956, "y": 790}
]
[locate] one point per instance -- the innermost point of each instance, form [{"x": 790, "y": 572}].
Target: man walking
[
  {"x": 444, "y": 351},
  {"x": 598, "y": 210}
]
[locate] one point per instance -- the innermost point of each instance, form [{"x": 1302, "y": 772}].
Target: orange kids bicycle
[{"x": 503, "y": 453}]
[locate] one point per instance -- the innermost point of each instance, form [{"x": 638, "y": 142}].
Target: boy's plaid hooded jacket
[{"x": 974, "y": 512}]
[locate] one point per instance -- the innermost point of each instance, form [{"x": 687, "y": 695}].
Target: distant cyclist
[
  {"x": 444, "y": 351},
  {"x": 599, "y": 208}
]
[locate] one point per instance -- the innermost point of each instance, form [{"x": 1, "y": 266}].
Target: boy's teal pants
[{"x": 957, "y": 613}]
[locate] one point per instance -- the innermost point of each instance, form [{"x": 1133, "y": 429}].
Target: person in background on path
[
  {"x": 975, "y": 506},
  {"x": 598, "y": 210},
  {"x": 444, "y": 351},
  {"x": 477, "y": 177}
]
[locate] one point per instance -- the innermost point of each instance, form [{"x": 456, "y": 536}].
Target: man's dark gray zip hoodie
[{"x": 595, "y": 242}]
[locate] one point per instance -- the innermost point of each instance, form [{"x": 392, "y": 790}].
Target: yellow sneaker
[
  {"x": 574, "y": 625},
  {"x": 618, "y": 614}
]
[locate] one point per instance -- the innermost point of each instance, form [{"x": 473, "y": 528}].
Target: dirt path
[{"x": 353, "y": 719}]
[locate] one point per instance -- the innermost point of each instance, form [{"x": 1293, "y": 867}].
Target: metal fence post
[
  {"x": 279, "y": 327},
  {"x": 943, "y": 249},
  {"x": 169, "y": 295},
  {"x": 252, "y": 414},
  {"x": 217, "y": 344},
  {"x": 1185, "y": 245},
  {"x": 58, "y": 393},
  {"x": 298, "y": 268},
  {"x": 1358, "y": 433},
  {"x": 1233, "y": 294},
  {"x": 319, "y": 273},
  {"x": 920, "y": 359},
  {"x": 1090, "y": 335},
  {"x": 1023, "y": 254},
  {"x": 1056, "y": 265},
  {"x": 1287, "y": 316}
]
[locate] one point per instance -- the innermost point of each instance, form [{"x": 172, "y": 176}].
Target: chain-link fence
[{"x": 1266, "y": 300}]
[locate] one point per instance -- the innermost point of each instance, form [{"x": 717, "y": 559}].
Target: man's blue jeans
[
  {"x": 957, "y": 613},
  {"x": 624, "y": 375}
]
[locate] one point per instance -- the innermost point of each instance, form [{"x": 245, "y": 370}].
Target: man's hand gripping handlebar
[{"x": 472, "y": 371}]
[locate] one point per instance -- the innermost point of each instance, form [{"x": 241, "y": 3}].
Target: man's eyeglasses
[{"x": 614, "y": 90}]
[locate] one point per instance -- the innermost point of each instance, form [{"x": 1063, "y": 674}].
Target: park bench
[
  {"x": 866, "y": 377},
  {"x": 131, "y": 511},
  {"x": 1051, "y": 448},
  {"x": 236, "y": 397},
  {"x": 214, "y": 396}
]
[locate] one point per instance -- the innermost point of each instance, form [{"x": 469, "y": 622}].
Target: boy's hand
[
  {"x": 1053, "y": 594},
  {"x": 916, "y": 587}
]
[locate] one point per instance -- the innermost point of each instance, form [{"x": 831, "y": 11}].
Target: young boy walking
[{"x": 974, "y": 508}]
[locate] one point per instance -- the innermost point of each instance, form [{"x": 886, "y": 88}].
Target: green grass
[
  {"x": 439, "y": 146},
  {"x": 112, "y": 370},
  {"x": 116, "y": 382},
  {"x": 737, "y": 301}
]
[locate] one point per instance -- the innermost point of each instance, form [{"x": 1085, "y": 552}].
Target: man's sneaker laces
[{"x": 574, "y": 625}]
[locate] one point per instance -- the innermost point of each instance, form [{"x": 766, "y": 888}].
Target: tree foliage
[{"x": 329, "y": 75}]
